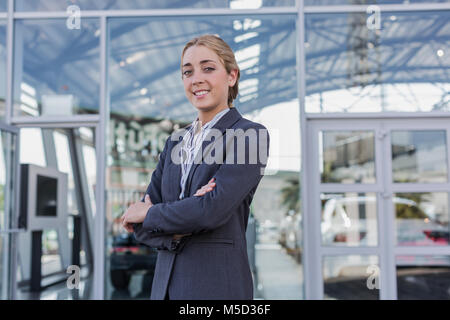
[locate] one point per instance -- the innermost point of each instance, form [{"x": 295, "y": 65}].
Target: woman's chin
[{"x": 203, "y": 108}]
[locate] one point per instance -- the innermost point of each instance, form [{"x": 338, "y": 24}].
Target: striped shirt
[{"x": 192, "y": 141}]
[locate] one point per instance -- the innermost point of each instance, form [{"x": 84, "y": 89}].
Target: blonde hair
[{"x": 226, "y": 56}]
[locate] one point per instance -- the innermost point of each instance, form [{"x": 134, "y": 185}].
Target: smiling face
[{"x": 206, "y": 81}]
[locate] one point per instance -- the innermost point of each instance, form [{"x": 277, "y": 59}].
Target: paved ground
[{"x": 279, "y": 275}]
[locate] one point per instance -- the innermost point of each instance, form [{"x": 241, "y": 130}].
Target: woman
[{"x": 196, "y": 212}]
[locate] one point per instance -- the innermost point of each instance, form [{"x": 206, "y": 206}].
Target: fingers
[
  {"x": 147, "y": 198},
  {"x": 206, "y": 188},
  {"x": 179, "y": 236},
  {"x": 129, "y": 227},
  {"x": 125, "y": 224}
]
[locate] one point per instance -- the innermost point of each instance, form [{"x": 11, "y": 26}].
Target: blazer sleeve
[
  {"x": 200, "y": 214},
  {"x": 163, "y": 242}
]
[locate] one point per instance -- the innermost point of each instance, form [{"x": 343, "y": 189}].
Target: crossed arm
[
  {"x": 153, "y": 194},
  {"x": 196, "y": 214}
]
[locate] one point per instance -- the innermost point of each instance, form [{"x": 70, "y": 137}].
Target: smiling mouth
[{"x": 201, "y": 93}]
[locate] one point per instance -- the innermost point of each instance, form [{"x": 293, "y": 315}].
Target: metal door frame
[{"x": 10, "y": 230}]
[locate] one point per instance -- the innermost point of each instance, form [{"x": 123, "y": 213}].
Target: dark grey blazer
[{"x": 212, "y": 263}]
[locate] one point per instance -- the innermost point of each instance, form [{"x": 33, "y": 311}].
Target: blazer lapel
[
  {"x": 175, "y": 172},
  {"x": 228, "y": 120}
]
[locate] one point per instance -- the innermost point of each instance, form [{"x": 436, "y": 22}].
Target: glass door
[
  {"x": 378, "y": 211},
  {"x": 345, "y": 223},
  {"x": 417, "y": 158},
  {"x": 8, "y": 232}
]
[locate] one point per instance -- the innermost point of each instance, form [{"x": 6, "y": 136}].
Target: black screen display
[{"x": 47, "y": 193}]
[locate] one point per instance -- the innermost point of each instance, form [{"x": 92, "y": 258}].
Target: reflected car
[
  {"x": 127, "y": 257},
  {"x": 416, "y": 228},
  {"x": 291, "y": 234}
]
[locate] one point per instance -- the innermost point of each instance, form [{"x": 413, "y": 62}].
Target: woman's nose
[{"x": 196, "y": 79}]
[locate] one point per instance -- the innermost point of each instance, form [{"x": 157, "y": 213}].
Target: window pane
[
  {"x": 2, "y": 262},
  {"x": 419, "y": 156},
  {"x": 32, "y": 147},
  {"x": 4, "y": 154},
  {"x": 85, "y": 137},
  {"x": 148, "y": 103},
  {"x": 422, "y": 219},
  {"x": 403, "y": 66},
  {"x": 56, "y": 69},
  {"x": 423, "y": 277},
  {"x": 351, "y": 277},
  {"x": 3, "y": 4},
  {"x": 65, "y": 165},
  {"x": 2, "y": 68},
  {"x": 51, "y": 256},
  {"x": 349, "y": 219},
  {"x": 51, "y": 5},
  {"x": 347, "y": 156},
  {"x": 8, "y": 151},
  {"x": 356, "y": 2},
  {"x": 146, "y": 80}
]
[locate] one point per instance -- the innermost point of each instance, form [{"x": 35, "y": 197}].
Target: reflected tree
[
  {"x": 290, "y": 194},
  {"x": 406, "y": 211}
]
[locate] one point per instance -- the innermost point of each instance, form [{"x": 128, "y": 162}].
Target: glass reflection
[
  {"x": 7, "y": 155},
  {"x": 51, "y": 259},
  {"x": 51, "y": 5},
  {"x": 349, "y": 219},
  {"x": 148, "y": 103},
  {"x": 85, "y": 138},
  {"x": 145, "y": 78},
  {"x": 419, "y": 156},
  {"x": 423, "y": 277},
  {"x": 351, "y": 277},
  {"x": 65, "y": 165},
  {"x": 422, "y": 219},
  {"x": 3, "y": 155},
  {"x": 347, "y": 156},
  {"x": 55, "y": 148},
  {"x": 56, "y": 69},
  {"x": 276, "y": 209},
  {"x": 32, "y": 151},
  {"x": 2, "y": 263},
  {"x": 399, "y": 67},
  {"x": 2, "y": 68},
  {"x": 278, "y": 265}
]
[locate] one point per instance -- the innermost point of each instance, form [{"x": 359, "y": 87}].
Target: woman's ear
[{"x": 232, "y": 76}]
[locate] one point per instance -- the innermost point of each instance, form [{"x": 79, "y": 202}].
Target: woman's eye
[
  {"x": 185, "y": 73},
  {"x": 209, "y": 68}
]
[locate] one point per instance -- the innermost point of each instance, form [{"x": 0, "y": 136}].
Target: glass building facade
[{"x": 354, "y": 93}]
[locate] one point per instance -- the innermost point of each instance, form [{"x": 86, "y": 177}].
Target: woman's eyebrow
[{"x": 201, "y": 62}]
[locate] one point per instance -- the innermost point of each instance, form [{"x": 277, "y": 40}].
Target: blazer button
[{"x": 175, "y": 244}]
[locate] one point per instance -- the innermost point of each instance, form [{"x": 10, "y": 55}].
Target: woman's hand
[
  {"x": 206, "y": 188},
  {"x": 136, "y": 213},
  {"x": 200, "y": 192}
]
